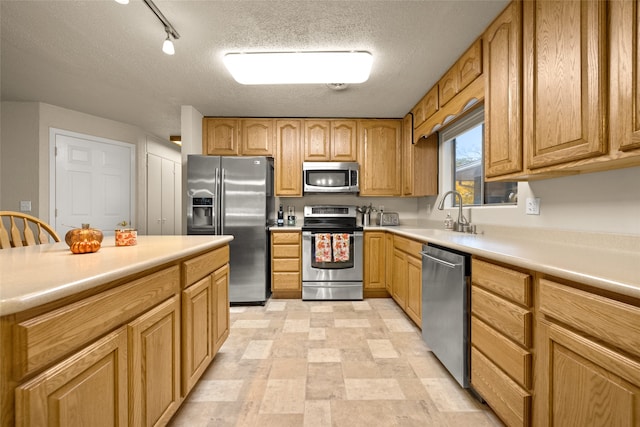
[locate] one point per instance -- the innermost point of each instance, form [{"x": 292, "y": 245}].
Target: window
[{"x": 462, "y": 162}]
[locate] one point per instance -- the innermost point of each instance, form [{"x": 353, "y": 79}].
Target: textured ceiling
[{"x": 105, "y": 59}]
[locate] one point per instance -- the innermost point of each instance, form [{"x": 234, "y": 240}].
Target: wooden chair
[{"x": 24, "y": 236}]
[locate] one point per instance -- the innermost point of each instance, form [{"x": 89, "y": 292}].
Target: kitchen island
[{"x": 115, "y": 337}]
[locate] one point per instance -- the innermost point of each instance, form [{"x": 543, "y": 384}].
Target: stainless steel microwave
[{"x": 330, "y": 177}]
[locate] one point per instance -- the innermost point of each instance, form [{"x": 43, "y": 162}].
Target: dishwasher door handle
[{"x": 439, "y": 261}]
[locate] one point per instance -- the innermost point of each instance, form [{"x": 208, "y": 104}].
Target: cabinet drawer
[
  {"x": 198, "y": 267},
  {"x": 286, "y": 251},
  {"x": 611, "y": 321},
  {"x": 510, "y": 319},
  {"x": 505, "y": 397},
  {"x": 510, "y": 357},
  {"x": 511, "y": 284},
  {"x": 280, "y": 237},
  {"x": 286, "y": 264},
  {"x": 286, "y": 281},
  {"x": 409, "y": 246},
  {"x": 45, "y": 338}
]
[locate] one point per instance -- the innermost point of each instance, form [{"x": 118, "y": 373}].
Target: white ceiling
[{"x": 105, "y": 59}]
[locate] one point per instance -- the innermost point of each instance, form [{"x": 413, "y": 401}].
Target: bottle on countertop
[
  {"x": 448, "y": 222},
  {"x": 280, "y": 217}
]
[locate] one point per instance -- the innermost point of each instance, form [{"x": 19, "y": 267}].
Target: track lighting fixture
[
  {"x": 167, "y": 46},
  {"x": 122, "y": 1}
]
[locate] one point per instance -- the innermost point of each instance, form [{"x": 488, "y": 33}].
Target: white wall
[
  {"x": 25, "y": 151},
  {"x": 603, "y": 202}
]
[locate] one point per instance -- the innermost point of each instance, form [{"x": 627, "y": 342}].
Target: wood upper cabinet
[
  {"x": 565, "y": 68},
  {"x": 374, "y": 261},
  {"x": 503, "y": 95},
  {"x": 330, "y": 140},
  {"x": 625, "y": 75},
  {"x": 380, "y": 157},
  {"x": 220, "y": 137},
  {"x": 426, "y": 108},
  {"x": 154, "y": 365},
  {"x": 466, "y": 69},
  {"x": 288, "y": 162},
  {"x": 257, "y": 137},
  {"x": 419, "y": 162},
  {"x": 87, "y": 389},
  {"x": 317, "y": 140}
]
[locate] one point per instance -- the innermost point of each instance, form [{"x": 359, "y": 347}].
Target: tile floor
[{"x": 329, "y": 363}]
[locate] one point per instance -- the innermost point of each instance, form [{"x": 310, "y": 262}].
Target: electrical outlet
[
  {"x": 25, "y": 205},
  {"x": 533, "y": 206}
]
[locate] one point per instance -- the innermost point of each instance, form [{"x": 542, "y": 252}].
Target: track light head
[{"x": 167, "y": 46}]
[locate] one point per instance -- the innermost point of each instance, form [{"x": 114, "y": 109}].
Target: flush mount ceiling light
[{"x": 299, "y": 67}]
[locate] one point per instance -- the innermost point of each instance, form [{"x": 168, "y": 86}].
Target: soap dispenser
[{"x": 448, "y": 222}]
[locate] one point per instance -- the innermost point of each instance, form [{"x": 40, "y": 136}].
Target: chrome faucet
[{"x": 462, "y": 224}]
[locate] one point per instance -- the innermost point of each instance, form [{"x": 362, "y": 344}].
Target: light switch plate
[
  {"x": 533, "y": 206},
  {"x": 25, "y": 205}
]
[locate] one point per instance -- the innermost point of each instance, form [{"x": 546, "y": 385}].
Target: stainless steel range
[{"x": 331, "y": 253}]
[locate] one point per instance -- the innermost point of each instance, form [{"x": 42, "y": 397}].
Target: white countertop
[
  {"x": 608, "y": 265},
  {"x": 36, "y": 275}
]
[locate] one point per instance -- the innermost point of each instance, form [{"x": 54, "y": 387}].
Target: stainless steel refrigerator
[{"x": 234, "y": 196}]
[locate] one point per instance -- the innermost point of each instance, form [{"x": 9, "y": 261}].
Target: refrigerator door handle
[
  {"x": 222, "y": 203},
  {"x": 216, "y": 208}
]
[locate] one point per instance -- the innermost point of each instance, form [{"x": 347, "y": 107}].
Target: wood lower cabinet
[
  {"x": 87, "y": 389},
  {"x": 407, "y": 277},
  {"x": 502, "y": 340},
  {"x": 154, "y": 365},
  {"x": 286, "y": 277},
  {"x": 589, "y": 359},
  {"x": 118, "y": 356},
  {"x": 205, "y": 313},
  {"x": 380, "y": 144},
  {"x": 288, "y": 162},
  {"x": 374, "y": 264}
]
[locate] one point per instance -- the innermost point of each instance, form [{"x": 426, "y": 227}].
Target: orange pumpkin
[{"x": 84, "y": 240}]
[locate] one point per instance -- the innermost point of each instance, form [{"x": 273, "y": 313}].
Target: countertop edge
[{"x": 36, "y": 298}]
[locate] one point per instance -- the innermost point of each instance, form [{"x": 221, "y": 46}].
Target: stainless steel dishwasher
[{"x": 446, "y": 308}]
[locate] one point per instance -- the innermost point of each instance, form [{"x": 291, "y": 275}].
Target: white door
[
  {"x": 93, "y": 182},
  {"x": 161, "y": 195}
]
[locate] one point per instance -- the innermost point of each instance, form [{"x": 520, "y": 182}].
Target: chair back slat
[
  {"x": 16, "y": 237},
  {"x": 22, "y": 235},
  {"x": 29, "y": 238},
  {"x": 4, "y": 236}
]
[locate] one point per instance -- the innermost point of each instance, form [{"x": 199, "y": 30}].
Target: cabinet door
[
  {"x": 288, "y": 162},
  {"x": 257, "y": 137},
  {"x": 344, "y": 140},
  {"x": 374, "y": 260},
  {"x": 503, "y": 100},
  {"x": 625, "y": 75},
  {"x": 197, "y": 328},
  {"x": 414, "y": 289},
  {"x": 220, "y": 136},
  {"x": 448, "y": 85},
  {"x": 583, "y": 382},
  {"x": 407, "y": 155},
  {"x": 426, "y": 108},
  {"x": 400, "y": 276},
  {"x": 221, "y": 307},
  {"x": 388, "y": 260},
  {"x": 154, "y": 365},
  {"x": 380, "y": 157},
  {"x": 317, "y": 140},
  {"x": 87, "y": 389},
  {"x": 565, "y": 98},
  {"x": 470, "y": 65}
]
